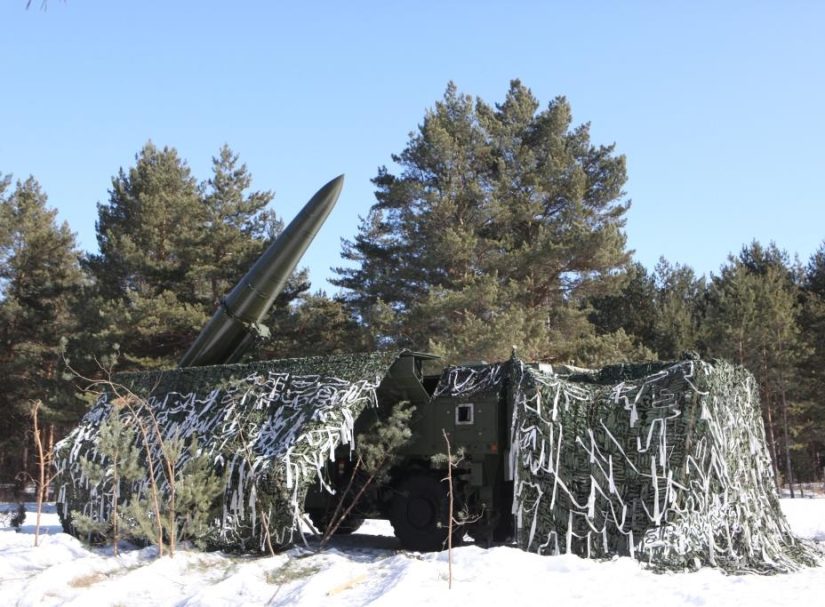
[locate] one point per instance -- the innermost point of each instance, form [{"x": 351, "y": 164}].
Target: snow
[{"x": 367, "y": 568}]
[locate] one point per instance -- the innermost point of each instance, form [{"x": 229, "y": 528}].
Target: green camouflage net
[
  {"x": 270, "y": 427},
  {"x": 666, "y": 463},
  {"x": 464, "y": 382}
]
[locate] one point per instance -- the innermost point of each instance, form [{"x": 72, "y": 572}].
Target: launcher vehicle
[{"x": 662, "y": 461}]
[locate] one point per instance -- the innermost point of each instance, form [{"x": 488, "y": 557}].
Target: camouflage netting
[
  {"x": 663, "y": 462},
  {"x": 463, "y": 382},
  {"x": 270, "y": 426}
]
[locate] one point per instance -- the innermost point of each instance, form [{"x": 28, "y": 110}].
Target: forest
[{"x": 498, "y": 225}]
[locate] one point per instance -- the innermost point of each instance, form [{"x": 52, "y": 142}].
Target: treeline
[{"x": 498, "y": 226}]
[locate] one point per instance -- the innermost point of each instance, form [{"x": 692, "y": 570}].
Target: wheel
[
  {"x": 348, "y": 526},
  {"x": 420, "y": 514}
]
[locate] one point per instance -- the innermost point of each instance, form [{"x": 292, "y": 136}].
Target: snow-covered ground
[{"x": 368, "y": 569}]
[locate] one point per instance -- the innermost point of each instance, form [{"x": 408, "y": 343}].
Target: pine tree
[
  {"x": 659, "y": 311},
  {"x": 115, "y": 468},
  {"x": 679, "y": 304},
  {"x": 815, "y": 272},
  {"x": 39, "y": 278},
  {"x": 503, "y": 220},
  {"x": 5, "y": 217},
  {"x": 752, "y": 318},
  {"x": 198, "y": 488},
  {"x": 149, "y": 230},
  {"x": 810, "y": 429},
  {"x": 189, "y": 487},
  {"x": 181, "y": 476},
  {"x": 149, "y": 234},
  {"x": 632, "y": 309},
  {"x": 314, "y": 324}
]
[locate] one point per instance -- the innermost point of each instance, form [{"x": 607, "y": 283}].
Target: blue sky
[{"x": 718, "y": 106}]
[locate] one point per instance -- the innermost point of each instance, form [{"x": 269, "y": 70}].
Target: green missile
[{"x": 231, "y": 329}]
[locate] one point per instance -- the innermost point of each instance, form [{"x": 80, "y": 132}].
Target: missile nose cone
[
  {"x": 334, "y": 185},
  {"x": 329, "y": 191},
  {"x": 308, "y": 221}
]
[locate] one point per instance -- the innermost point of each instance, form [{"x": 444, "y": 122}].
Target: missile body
[{"x": 230, "y": 331}]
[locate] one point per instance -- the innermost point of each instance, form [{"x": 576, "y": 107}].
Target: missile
[{"x": 230, "y": 331}]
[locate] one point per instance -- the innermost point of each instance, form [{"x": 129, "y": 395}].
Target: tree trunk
[
  {"x": 789, "y": 469},
  {"x": 450, "y": 523},
  {"x": 50, "y": 450},
  {"x": 784, "y": 402},
  {"x": 768, "y": 397},
  {"x": 25, "y": 469},
  {"x": 772, "y": 444},
  {"x": 41, "y": 464}
]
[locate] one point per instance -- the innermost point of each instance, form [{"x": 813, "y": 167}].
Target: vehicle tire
[
  {"x": 348, "y": 526},
  {"x": 420, "y": 514}
]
